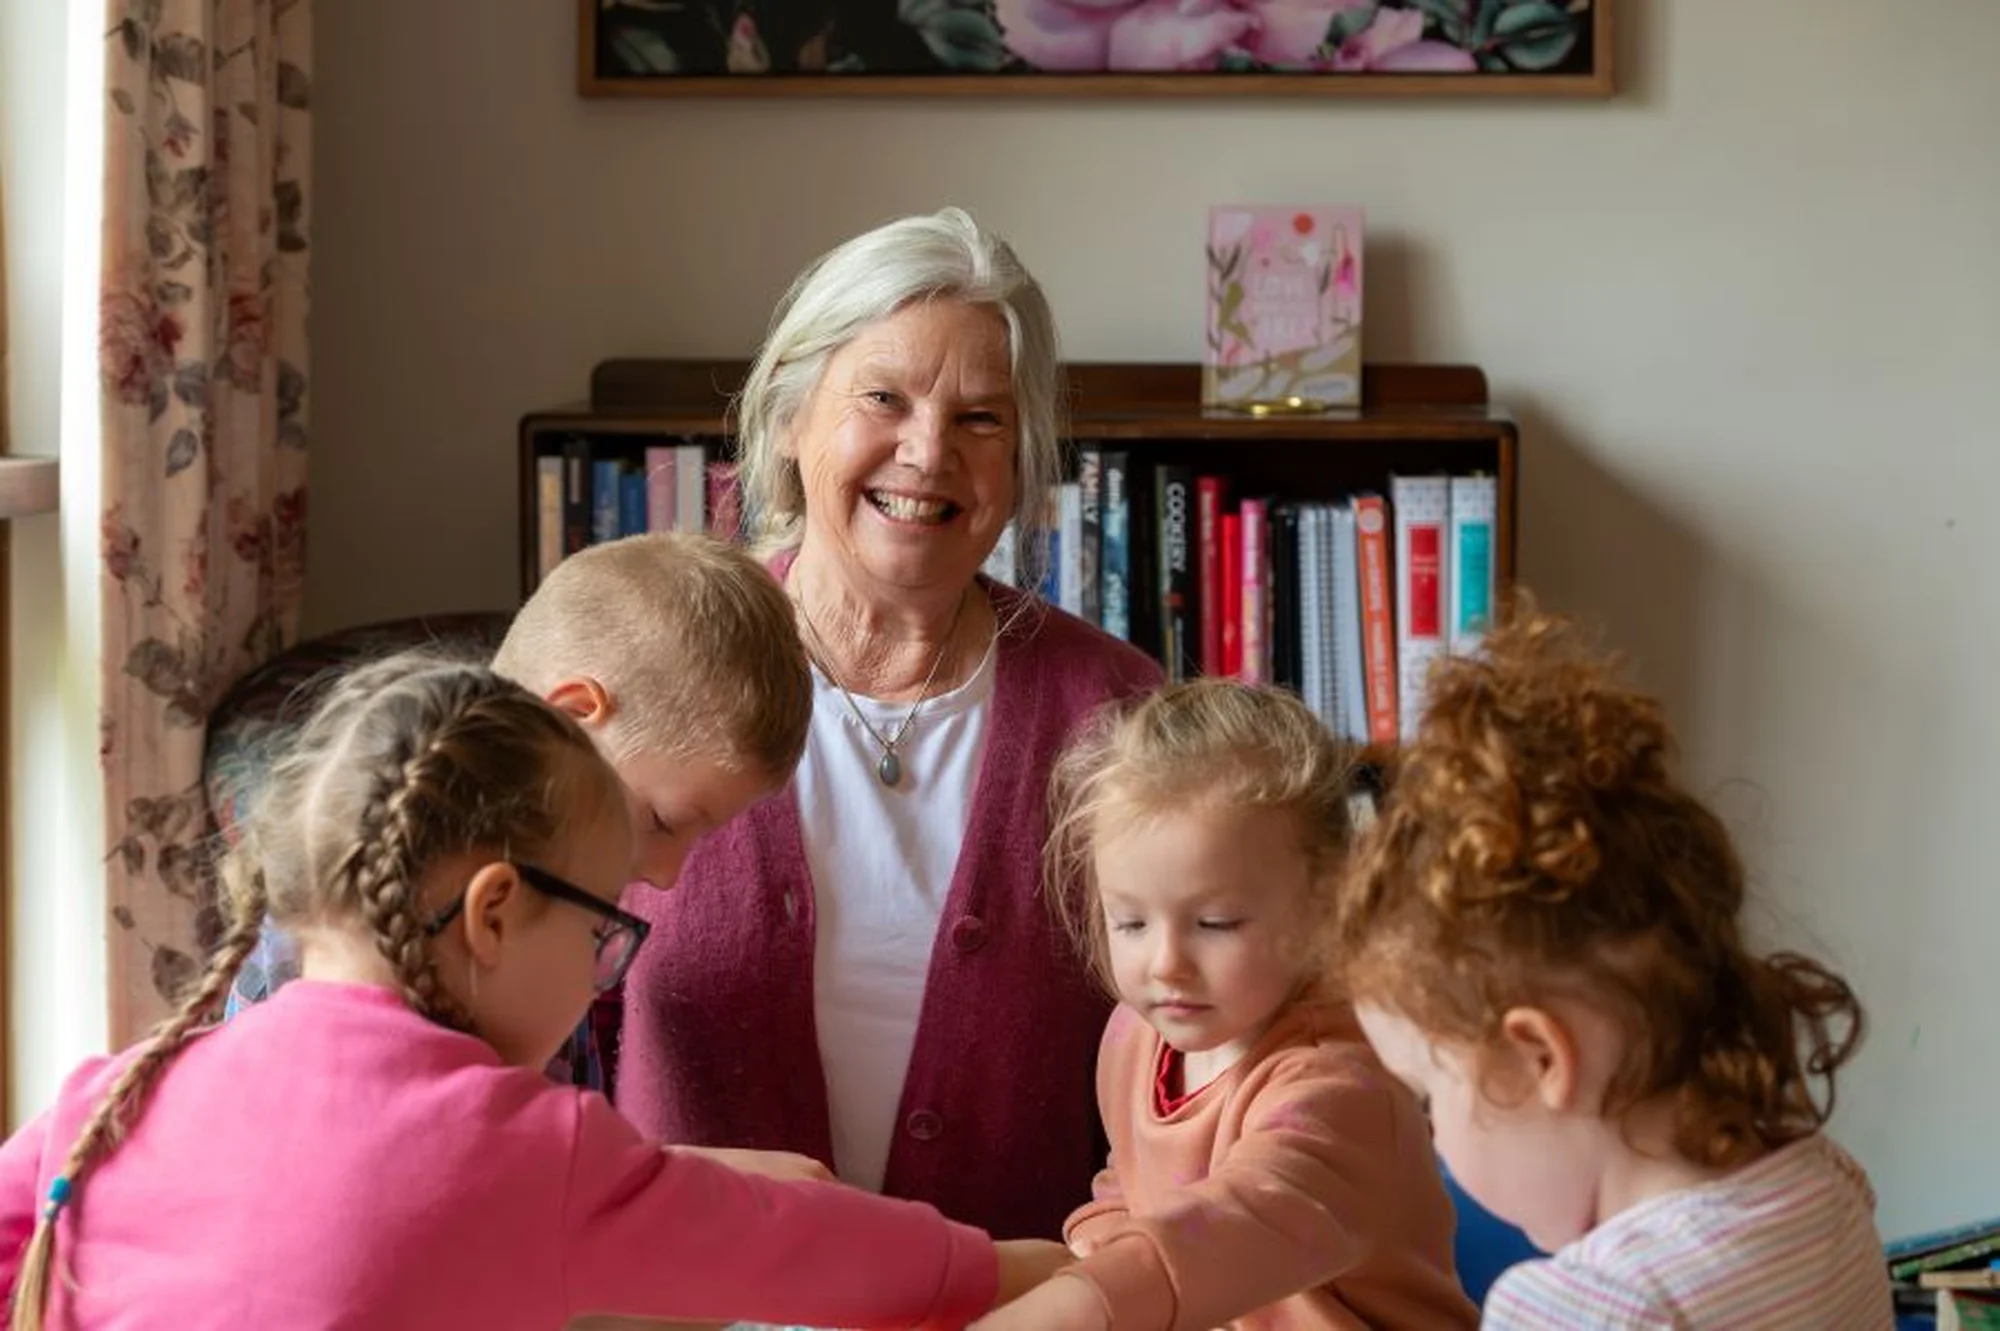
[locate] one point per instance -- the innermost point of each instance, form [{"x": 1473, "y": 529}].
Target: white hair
[{"x": 863, "y": 281}]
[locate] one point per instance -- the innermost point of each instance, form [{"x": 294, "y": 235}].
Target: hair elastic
[{"x": 59, "y": 1191}]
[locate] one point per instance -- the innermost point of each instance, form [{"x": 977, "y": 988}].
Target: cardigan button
[
  {"x": 924, "y": 1125},
  {"x": 969, "y": 934}
]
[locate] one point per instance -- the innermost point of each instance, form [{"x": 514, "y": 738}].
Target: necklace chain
[{"x": 890, "y": 767}]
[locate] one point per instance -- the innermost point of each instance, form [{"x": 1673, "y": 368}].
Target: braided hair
[{"x": 406, "y": 760}]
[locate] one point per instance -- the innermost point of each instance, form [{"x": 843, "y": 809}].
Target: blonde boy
[{"x": 679, "y": 656}]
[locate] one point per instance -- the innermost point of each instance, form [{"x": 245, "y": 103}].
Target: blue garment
[
  {"x": 273, "y": 962},
  {"x": 1485, "y": 1244}
]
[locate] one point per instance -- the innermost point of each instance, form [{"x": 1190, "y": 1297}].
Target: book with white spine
[
  {"x": 1347, "y": 628},
  {"x": 1472, "y": 581}
]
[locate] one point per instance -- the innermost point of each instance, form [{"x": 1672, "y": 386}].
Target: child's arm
[
  {"x": 1107, "y": 1208},
  {"x": 1103, "y": 1215},
  {"x": 771, "y": 1164},
  {"x": 1297, "y": 1202},
  {"x": 20, "y": 1197},
  {"x": 671, "y": 1234},
  {"x": 1024, "y": 1264},
  {"x": 1065, "y": 1303}
]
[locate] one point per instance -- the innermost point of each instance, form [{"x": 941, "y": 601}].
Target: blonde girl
[{"x": 1265, "y": 1170}]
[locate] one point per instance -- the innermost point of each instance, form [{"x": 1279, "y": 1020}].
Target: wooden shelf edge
[
  {"x": 1445, "y": 423},
  {"x": 27, "y": 486},
  {"x": 1092, "y": 389}
]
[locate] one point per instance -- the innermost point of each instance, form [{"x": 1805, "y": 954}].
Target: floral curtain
[{"x": 202, "y": 353}]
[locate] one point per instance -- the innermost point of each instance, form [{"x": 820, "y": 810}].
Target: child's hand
[
  {"x": 1065, "y": 1303},
  {"x": 1026, "y": 1263},
  {"x": 784, "y": 1166}
]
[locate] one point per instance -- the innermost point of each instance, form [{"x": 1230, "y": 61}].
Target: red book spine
[
  {"x": 1232, "y": 594},
  {"x": 1208, "y": 519}
]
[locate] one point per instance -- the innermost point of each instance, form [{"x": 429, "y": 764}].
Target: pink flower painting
[
  {"x": 1347, "y": 42},
  {"x": 1395, "y": 41},
  {"x": 1339, "y": 36},
  {"x": 1129, "y": 35}
]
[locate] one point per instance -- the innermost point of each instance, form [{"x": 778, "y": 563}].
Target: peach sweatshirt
[{"x": 1298, "y": 1190}]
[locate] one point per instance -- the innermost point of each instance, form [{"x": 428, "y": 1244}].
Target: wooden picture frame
[{"x": 1423, "y": 48}]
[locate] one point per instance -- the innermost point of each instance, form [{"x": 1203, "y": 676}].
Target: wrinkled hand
[
  {"x": 786, "y": 1166},
  {"x": 1064, "y": 1303}
]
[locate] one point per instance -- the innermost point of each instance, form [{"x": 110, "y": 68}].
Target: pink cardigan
[
  {"x": 330, "y": 1158},
  {"x": 998, "y": 1123}
]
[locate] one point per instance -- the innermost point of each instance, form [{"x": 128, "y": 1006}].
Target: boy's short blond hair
[{"x": 693, "y": 640}]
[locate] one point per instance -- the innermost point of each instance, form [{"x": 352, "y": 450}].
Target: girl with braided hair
[
  {"x": 449, "y": 852},
  {"x": 1543, "y": 936}
]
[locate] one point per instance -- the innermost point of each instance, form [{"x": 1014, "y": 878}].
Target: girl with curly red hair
[{"x": 1542, "y": 934}]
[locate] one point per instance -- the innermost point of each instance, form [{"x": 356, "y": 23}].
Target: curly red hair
[{"x": 1536, "y": 842}]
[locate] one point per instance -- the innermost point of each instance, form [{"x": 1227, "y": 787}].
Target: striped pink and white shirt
[{"x": 1789, "y": 1241}]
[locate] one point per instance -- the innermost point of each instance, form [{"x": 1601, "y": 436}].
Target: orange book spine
[{"x": 1378, "y": 617}]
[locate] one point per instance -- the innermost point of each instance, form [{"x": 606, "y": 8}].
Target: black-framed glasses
[{"x": 618, "y": 935}]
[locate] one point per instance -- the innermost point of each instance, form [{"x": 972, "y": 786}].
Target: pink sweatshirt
[{"x": 331, "y": 1159}]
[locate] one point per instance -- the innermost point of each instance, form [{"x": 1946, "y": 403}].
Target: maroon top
[{"x": 998, "y": 1122}]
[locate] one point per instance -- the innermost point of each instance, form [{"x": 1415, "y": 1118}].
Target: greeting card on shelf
[{"x": 1284, "y": 309}]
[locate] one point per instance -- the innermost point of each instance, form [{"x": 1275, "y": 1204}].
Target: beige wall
[
  {"x": 50, "y": 54},
  {"x": 1748, "y": 312}
]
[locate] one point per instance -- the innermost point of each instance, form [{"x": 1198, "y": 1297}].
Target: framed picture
[{"x": 655, "y": 48}]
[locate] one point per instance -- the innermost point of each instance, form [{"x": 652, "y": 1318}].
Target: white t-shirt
[{"x": 882, "y": 859}]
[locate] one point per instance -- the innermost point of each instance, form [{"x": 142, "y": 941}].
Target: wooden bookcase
[{"x": 1416, "y": 419}]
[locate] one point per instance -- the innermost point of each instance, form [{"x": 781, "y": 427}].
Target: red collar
[{"x": 1170, "y": 1072}]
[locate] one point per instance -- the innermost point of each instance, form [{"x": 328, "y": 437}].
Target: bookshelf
[{"x": 1416, "y": 420}]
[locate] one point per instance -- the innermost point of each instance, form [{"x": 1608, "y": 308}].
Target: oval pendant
[{"x": 890, "y": 769}]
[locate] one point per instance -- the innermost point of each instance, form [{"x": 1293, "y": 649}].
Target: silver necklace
[{"x": 889, "y": 768}]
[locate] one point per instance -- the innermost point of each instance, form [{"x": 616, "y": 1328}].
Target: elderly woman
[{"x": 863, "y": 969}]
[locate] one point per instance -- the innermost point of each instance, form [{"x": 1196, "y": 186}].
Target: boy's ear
[
  {"x": 492, "y": 905},
  {"x": 1545, "y": 1055},
  {"x": 582, "y": 698}
]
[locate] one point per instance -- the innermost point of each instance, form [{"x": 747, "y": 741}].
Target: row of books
[
  {"x": 583, "y": 495},
  {"x": 1949, "y": 1279},
  {"x": 1346, "y": 601}
]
